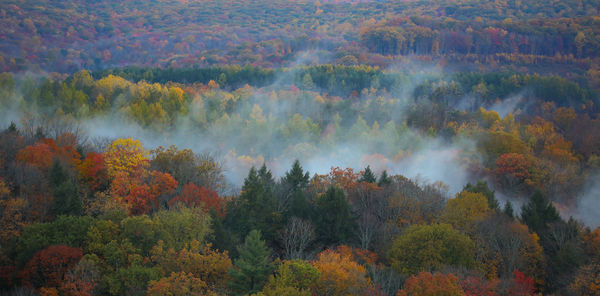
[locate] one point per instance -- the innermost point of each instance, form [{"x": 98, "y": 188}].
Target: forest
[{"x": 269, "y": 147}]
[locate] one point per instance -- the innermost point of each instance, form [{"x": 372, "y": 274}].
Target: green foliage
[
  {"x": 482, "y": 187},
  {"x": 333, "y": 219},
  {"x": 64, "y": 230},
  {"x": 66, "y": 199},
  {"x": 368, "y": 176},
  {"x": 132, "y": 280},
  {"x": 538, "y": 213},
  {"x": 179, "y": 226},
  {"x": 429, "y": 248},
  {"x": 253, "y": 266},
  {"x": 256, "y": 207}
]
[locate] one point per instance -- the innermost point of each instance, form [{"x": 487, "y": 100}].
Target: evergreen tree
[
  {"x": 252, "y": 267},
  {"x": 384, "y": 179},
  {"x": 482, "y": 187},
  {"x": 368, "y": 176},
  {"x": 508, "y": 210},
  {"x": 66, "y": 199},
  {"x": 296, "y": 178},
  {"x": 333, "y": 220},
  {"x": 539, "y": 213},
  {"x": 293, "y": 185},
  {"x": 256, "y": 207}
]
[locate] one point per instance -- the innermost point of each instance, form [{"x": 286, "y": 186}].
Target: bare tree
[{"x": 296, "y": 237}]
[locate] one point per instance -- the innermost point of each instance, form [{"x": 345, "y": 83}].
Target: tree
[
  {"x": 93, "y": 171},
  {"x": 253, "y": 266},
  {"x": 179, "y": 283},
  {"x": 204, "y": 263},
  {"x": 291, "y": 193},
  {"x": 340, "y": 275},
  {"x": 482, "y": 187},
  {"x": 465, "y": 209},
  {"x": 333, "y": 220},
  {"x": 48, "y": 267},
  {"x": 125, "y": 156},
  {"x": 586, "y": 281},
  {"x": 512, "y": 169},
  {"x": 294, "y": 277},
  {"x": 427, "y": 284},
  {"x": 384, "y": 179},
  {"x": 430, "y": 247},
  {"x": 296, "y": 237},
  {"x": 181, "y": 225},
  {"x": 256, "y": 207},
  {"x": 368, "y": 176},
  {"x": 202, "y": 170},
  {"x": 66, "y": 199},
  {"x": 538, "y": 213},
  {"x": 83, "y": 279},
  {"x": 508, "y": 209},
  {"x": 194, "y": 196},
  {"x": 521, "y": 285},
  {"x": 504, "y": 245}
]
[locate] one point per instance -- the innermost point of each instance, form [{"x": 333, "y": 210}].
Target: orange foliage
[
  {"x": 340, "y": 275},
  {"x": 356, "y": 254},
  {"x": 427, "y": 284},
  {"x": 42, "y": 153},
  {"x": 513, "y": 164},
  {"x": 141, "y": 195},
  {"x": 93, "y": 171},
  {"x": 194, "y": 196}
]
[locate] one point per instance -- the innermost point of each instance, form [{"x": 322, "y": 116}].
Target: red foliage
[
  {"x": 521, "y": 285},
  {"x": 142, "y": 194},
  {"x": 513, "y": 164},
  {"x": 194, "y": 196},
  {"x": 47, "y": 267},
  {"x": 42, "y": 153},
  {"x": 474, "y": 286},
  {"x": 93, "y": 171}
]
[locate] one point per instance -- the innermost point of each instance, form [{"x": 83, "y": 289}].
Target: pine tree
[
  {"x": 256, "y": 207},
  {"x": 384, "y": 179},
  {"x": 508, "y": 209},
  {"x": 293, "y": 185},
  {"x": 296, "y": 178},
  {"x": 368, "y": 176},
  {"x": 253, "y": 266},
  {"x": 66, "y": 199},
  {"x": 539, "y": 213},
  {"x": 334, "y": 222}
]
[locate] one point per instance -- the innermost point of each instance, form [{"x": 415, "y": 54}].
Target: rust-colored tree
[
  {"x": 47, "y": 268},
  {"x": 194, "y": 196},
  {"x": 427, "y": 284}
]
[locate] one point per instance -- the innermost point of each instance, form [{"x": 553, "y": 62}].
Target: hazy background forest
[{"x": 300, "y": 147}]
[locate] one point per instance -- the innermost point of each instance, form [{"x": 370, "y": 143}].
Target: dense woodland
[{"x": 299, "y": 147}]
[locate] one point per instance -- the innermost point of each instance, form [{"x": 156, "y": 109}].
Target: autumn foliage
[{"x": 47, "y": 268}]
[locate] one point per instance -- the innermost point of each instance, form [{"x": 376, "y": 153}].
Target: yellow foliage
[
  {"x": 464, "y": 209},
  {"x": 125, "y": 156}
]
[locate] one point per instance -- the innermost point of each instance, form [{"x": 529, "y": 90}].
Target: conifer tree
[{"x": 253, "y": 266}]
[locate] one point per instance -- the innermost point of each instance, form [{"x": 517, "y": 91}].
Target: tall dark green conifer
[
  {"x": 293, "y": 185},
  {"x": 368, "y": 176},
  {"x": 256, "y": 207},
  {"x": 66, "y": 199},
  {"x": 334, "y": 222},
  {"x": 539, "y": 213}
]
